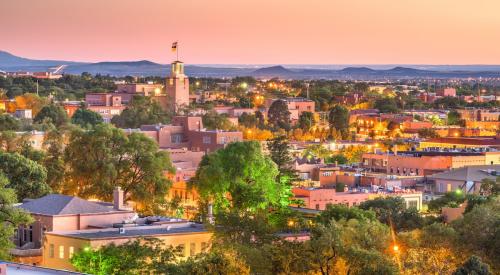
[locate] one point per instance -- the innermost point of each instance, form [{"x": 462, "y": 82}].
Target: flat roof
[
  {"x": 25, "y": 269},
  {"x": 137, "y": 231}
]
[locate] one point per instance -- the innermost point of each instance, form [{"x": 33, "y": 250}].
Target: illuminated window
[
  {"x": 71, "y": 251},
  {"x": 207, "y": 140},
  {"x": 61, "y": 252},
  {"x": 51, "y": 251}
]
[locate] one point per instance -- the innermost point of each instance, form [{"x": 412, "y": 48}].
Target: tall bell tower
[{"x": 177, "y": 87}]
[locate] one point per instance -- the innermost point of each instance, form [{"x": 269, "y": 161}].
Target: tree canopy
[
  {"x": 52, "y": 113},
  {"x": 140, "y": 111},
  {"x": 25, "y": 176},
  {"x": 339, "y": 120},
  {"x": 103, "y": 158},
  {"x": 278, "y": 115},
  {"x": 10, "y": 217},
  {"x": 86, "y": 118},
  {"x": 240, "y": 176}
]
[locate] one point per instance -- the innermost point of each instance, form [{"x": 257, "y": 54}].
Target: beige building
[
  {"x": 59, "y": 247},
  {"x": 468, "y": 179}
]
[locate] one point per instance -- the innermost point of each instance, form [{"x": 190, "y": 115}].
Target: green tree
[
  {"x": 306, "y": 121},
  {"x": 54, "y": 159},
  {"x": 103, "y": 158},
  {"x": 248, "y": 120},
  {"x": 240, "y": 176},
  {"x": 337, "y": 159},
  {"x": 454, "y": 118},
  {"x": 392, "y": 211},
  {"x": 316, "y": 151},
  {"x": 140, "y": 256},
  {"x": 481, "y": 228},
  {"x": 339, "y": 119},
  {"x": 473, "y": 266},
  {"x": 141, "y": 110},
  {"x": 341, "y": 212},
  {"x": 9, "y": 123},
  {"x": 86, "y": 118},
  {"x": 53, "y": 113},
  {"x": 10, "y": 217},
  {"x": 279, "y": 151},
  {"x": 25, "y": 176},
  {"x": 260, "y": 119},
  {"x": 450, "y": 199},
  {"x": 278, "y": 115},
  {"x": 214, "y": 121},
  {"x": 351, "y": 247},
  {"x": 386, "y": 105},
  {"x": 214, "y": 262}
]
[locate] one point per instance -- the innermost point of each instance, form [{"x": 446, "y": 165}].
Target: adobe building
[
  {"x": 146, "y": 89},
  {"x": 320, "y": 198},
  {"x": 188, "y": 132},
  {"x": 446, "y": 92},
  {"x": 425, "y": 163}
]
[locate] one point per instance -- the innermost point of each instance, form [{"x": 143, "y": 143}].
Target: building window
[
  {"x": 182, "y": 249},
  {"x": 51, "y": 250},
  {"x": 327, "y": 174},
  {"x": 71, "y": 251},
  {"x": 61, "y": 252},
  {"x": 207, "y": 140},
  {"x": 413, "y": 204},
  {"x": 176, "y": 138},
  {"x": 317, "y": 206},
  {"x": 448, "y": 187},
  {"x": 30, "y": 234},
  {"x": 192, "y": 249},
  {"x": 222, "y": 140}
]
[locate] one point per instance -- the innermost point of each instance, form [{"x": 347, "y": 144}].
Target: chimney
[{"x": 118, "y": 198}]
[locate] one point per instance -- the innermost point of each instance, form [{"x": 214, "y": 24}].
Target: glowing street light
[
  {"x": 395, "y": 248},
  {"x": 244, "y": 85}
]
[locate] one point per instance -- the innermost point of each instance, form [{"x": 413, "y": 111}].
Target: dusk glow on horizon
[{"x": 255, "y": 31}]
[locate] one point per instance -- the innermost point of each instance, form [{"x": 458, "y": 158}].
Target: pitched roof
[
  {"x": 56, "y": 204},
  {"x": 469, "y": 173}
]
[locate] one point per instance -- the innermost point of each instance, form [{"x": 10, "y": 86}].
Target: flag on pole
[{"x": 174, "y": 46}]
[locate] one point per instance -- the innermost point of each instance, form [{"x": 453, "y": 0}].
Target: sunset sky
[{"x": 255, "y": 31}]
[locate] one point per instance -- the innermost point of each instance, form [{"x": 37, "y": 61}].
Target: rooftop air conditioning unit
[{"x": 121, "y": 230}]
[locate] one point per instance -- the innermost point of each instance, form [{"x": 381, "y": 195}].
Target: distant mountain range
[{"x": 9, "y": 62}]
